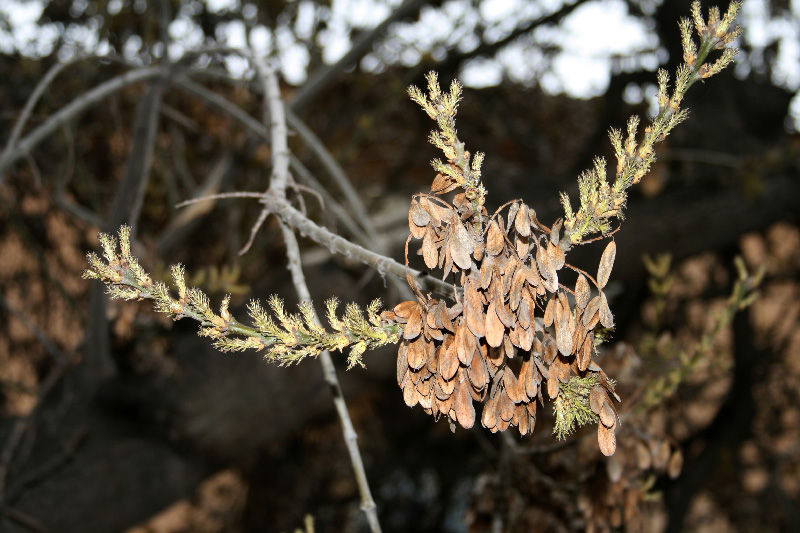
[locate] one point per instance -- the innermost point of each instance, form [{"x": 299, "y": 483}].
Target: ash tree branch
[{"x": 277, "y": 189}]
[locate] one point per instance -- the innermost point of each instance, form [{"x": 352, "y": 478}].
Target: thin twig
[
  {"x": 33, "y": 99},
  {"x": 73, "y": 109},
  {"x": 323, "y": 77},
  {"x": 278, "y": 184}
]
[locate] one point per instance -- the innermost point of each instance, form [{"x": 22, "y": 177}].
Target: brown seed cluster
[{"x": 514, "y": 335}]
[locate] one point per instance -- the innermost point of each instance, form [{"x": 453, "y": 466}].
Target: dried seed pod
[
  {"x": 465, "y": 410},
  {"x": 521, "y": 222},
  {"x": 607, "y": 440},
  {"x": 414, "y": 325},
  {"x": 495, "y": 241},
  {"x": 430, "y": 251},
  {"x": 461, "y": 245},
  {"x": 582, "y": 292},
  {"x": 606, "y": 264},
  {"x": 606, "y": 318},
  {"x": 556, "y": 254}
]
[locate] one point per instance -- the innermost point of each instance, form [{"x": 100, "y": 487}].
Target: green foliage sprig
[
  {"x": 459, "y": 171},
  {"x": 601, "y": 201},
  {"x": 287, "y": 338}
]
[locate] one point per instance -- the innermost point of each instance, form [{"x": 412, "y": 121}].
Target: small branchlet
[
  {"x": 459, "y": 171},
  {"x": 745, "y": 291},
  {"x": 287, "y": 338},
  {"x": 599, "y": 201}
]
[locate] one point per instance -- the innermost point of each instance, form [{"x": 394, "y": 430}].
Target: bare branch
[{"x": 73, "y": 109}]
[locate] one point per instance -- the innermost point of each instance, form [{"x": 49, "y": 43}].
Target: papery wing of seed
[
  {"x": 464, "y": 344},
  {"x": 521, "y": 222},
  {"x": 513, "y": 209},
  {"x": 522, "y": 245},
  {"x": 606, "y": 318},
  {"x": 411, "y": 395},
  {"x": 555, "y": 233},
  {"x": 461, "y": 245},
  {"x": 442, "y": 184},
  {"x": 479, "y": 252},
  {"x": 550, "y": 312},
  {"x": 563, "y": 338},
  {"x": 552, "y": 386},
  {"x": 591, "y": 310},
  {"x": 418, "y": 220},
  {"x": 546, "y": 269},
  {"x": 523, "y": 311},
  {"x": 597, "y": 397},
  {"x": 430, "y": 251},
  {"x": 477, "y": 373},
  {"x": 402, "y": 362},
  {"x": 414, "y": 324},
  {"x": 448, "y": 359},
  {"x": 606, "y": 264},
  {"x": 487, "y": 271},
  {"x": 432, "y": 209},
  {"x": 514, "y": 389},
  {"x": 585, "y": 352},
  {"x": 417, "y": 355},
  {"x": 607, "y": 440},
  {"x": 465, "y": 410},
  {"x": 607, "y": 416},
  {"x": 582, "y": 292},
  {"x": 494, "y": 239},
  {"x": 550, "y": 350},
  {"x": 556, "y": 254},
  {"x": 494, "y": 329},
  {"x": 506, "y": 407},
  {"x": 489, "y": 416}
]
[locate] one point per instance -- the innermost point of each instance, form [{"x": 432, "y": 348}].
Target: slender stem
[
  {"x": 329, "y": 373},
  {"x": 71, "y": 110},
  {"x": 277, "y": 189}
]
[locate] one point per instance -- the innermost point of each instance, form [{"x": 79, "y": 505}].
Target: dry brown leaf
[
  {"x": 607, "y": 440},
  {"x": 606, "y": 264}
]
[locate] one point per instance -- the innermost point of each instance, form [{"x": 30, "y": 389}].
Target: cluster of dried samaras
[{"x": 514, "y": 335}]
